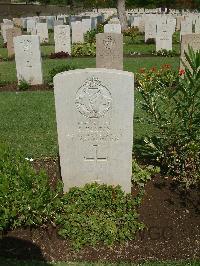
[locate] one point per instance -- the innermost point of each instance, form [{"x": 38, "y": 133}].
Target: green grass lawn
[
  {"x": 8, "y": 69},
  {"x": 28, "y": 122},
  {"x": 28, "y": 118},
  {"x": 130, "y": 46},
  {"x": 9, "y": 262}
]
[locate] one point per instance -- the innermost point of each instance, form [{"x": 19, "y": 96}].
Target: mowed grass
[
  {"x": 8, "y": 68},
  {"x": 28, "y": 119},
  {"x": 28, "y": 123},
  {"x": 9, "y": 262}
]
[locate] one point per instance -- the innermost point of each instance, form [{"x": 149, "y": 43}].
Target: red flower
[
  {"x": 167, "y": 66},
  {"x": 153, "y": 69},
  {"x": 181, "y": 72},
  {"x": 142, "y": 70}
]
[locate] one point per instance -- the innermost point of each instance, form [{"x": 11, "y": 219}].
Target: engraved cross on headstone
[{"x": 95, "y": 156}]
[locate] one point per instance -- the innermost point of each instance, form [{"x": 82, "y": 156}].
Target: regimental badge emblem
[
  {"x": 93, "y": 99},
  {"x": 109, "y": 43}
]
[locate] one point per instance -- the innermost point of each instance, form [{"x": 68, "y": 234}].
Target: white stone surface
[
  {"x": 186, "y": 27},
  {"x": 192, "y": 40},
  {"x": 31, "y": 26},
  {"x": 164, "y": 41},
  {"x": 62, "y": 39},
  {"x": 77, "y": 32},
  {"x": 28, "y": 59},
  {"x": 112, "y": 28},
  {"x": 87, "y": 24},
  {"x": 42, "y": 32},
  {"x": 4, "y": 28},
  {"x": 150, "y": 28},
  {"x": 94, "y": 113}
]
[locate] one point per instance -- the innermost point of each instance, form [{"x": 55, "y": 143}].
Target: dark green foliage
[
  {"x": 150, "y": 41},
  {"x": 25, "y": 196},
  {"x": 89, "y": 215},
  {"x": 98, "y": 213},
  {"x": 58, "y": 69},
  {"x": 174, "y": 110},
  {"x": 142, "y": 175},
  {"x": 90, "y": 36},
  {"x": 165, "y": 53},
  {"x": 85, "y": 49},
  {"x": 23, "y": 85}
]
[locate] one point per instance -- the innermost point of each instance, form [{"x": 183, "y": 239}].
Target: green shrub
[
  {"x": 172, "y": 107},
  {"x": 165, "y": 53},
  {"x": 142, "y": 175},
  {"x": 150, "y": 41},
  {"x": 26, "y": 198},
  {"x": 59, "y": 69},
  {"x": 98, "y": 213},
  {"x": 86, "y": 49},
  {"x": 23, "y": 85},
  {"x": 90, "y": 36}
]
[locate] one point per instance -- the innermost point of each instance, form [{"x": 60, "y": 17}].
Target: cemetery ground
[{"x": 170, "y": 214}]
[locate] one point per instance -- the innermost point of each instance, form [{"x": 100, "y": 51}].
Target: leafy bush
[
  {"x": 23, "y": 85},
  {"x": 86, "y": 49},
  {"x": 59, "y": 55},
  {"x": 132, "y": 31},
  {"x": 172, "y": 107},
  {"x": 98, "y": 213},
  {"x": 150, "y": 41},
  {"x": 90, "y": 36},
  {"x": 157, "y": 79},
  {"x": 59, "y": 69},
  {"x": 142, "y": 175},
  {"x": 26, "y": 198},
  {"x": 165, "y": 53}
]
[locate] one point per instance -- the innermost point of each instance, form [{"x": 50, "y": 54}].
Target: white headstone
[
  {"x": 94, "y": 113},
  {"x": 28, "y": 59},
  {"x": 4, "y": 28},
  {"x": 62, "y": 39},
  {"x": 150, "y": 29},
  {"x": 192, "y": 40},
  {"x": 77, "y": 32},
  {"x": 164, "y": 41},
  {"x": 87, "y": 23},
  {"x": 31, "y": 26},
  {"x": 112, "y": 28},
  {"x": 186, "y": 27},
  {"x": 42, "y": 32},
  {"x": 197, "y": 26}
]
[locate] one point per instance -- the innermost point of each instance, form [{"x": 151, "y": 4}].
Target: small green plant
[
  {"x": 86, "y": 49},
  {"x": 59, "y": 69},
  {"x": 23, "y": 85},
  {"x": 90, "y": 36},
  {"x": 98, "y": 213},
  {"x": 142, "y": 175},
  {"x": 25, "y": 196},
  {"x": 150, "y": 41},
  {"x": 165, "y": 53},
  {"x": 173, "y": 109}
]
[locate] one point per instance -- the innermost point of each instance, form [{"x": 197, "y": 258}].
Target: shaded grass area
[
  {"x": 9, "y": 262},
  {"x": 8, "y": 69}
]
